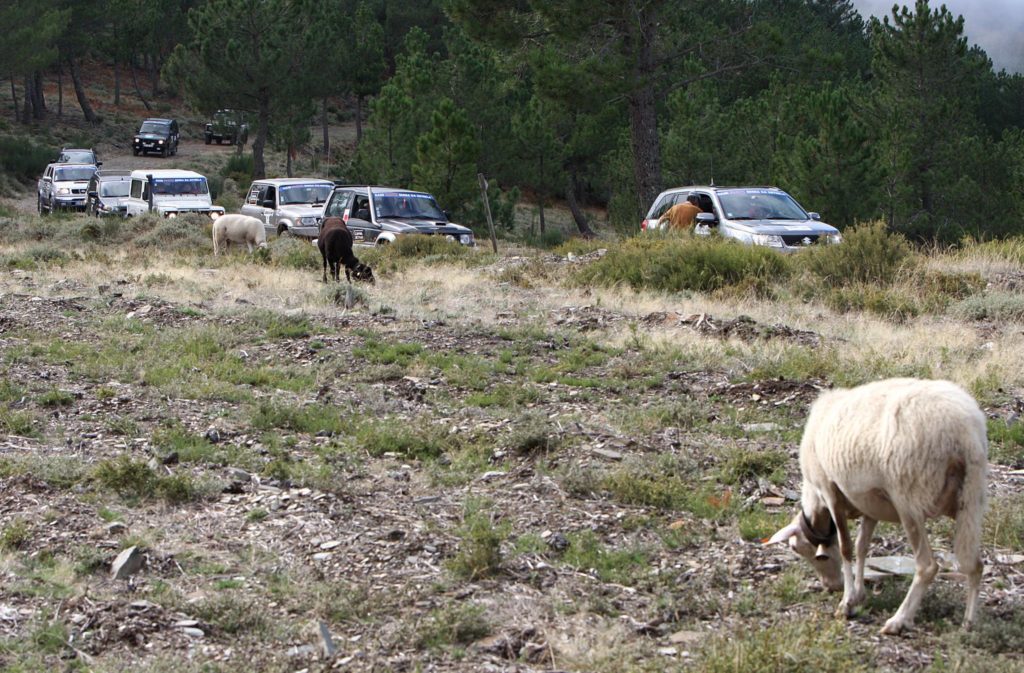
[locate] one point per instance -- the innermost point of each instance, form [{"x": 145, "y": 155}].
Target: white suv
[
  {"x": 63, "y": 186},
  {"x": 757, "y": 215},
  {"x": 170, "y": 193}
]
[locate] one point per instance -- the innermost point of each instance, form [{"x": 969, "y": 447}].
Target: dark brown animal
[{"x": 335, "y": 243}]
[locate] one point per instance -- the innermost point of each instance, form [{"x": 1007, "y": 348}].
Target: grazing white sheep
[
  {"x": 901, "y": 450},
  {"x": 238, "y": 229}
]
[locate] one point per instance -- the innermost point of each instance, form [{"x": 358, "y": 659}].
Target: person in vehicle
[{"x": 682, "y": 215}]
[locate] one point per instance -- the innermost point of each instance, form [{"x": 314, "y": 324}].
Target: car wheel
[
  {"x": 135, "y": 152},
  {"x": 283, "y": 230},
  {"x": 208, "y": 139}
]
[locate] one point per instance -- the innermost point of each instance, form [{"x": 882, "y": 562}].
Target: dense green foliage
[{"x": 602, "y": 104}]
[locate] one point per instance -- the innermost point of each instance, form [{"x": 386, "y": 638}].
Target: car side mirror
[
  {"x": 99, "y": 163},
  {"x": 93, "y": 194},
  {"x": 267, "y": 203},
  {"x": 707, "y": 219},
  {"x": 814, "y": 216}
]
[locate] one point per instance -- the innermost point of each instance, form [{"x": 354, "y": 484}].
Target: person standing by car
[{"x": 682, "y": 215}]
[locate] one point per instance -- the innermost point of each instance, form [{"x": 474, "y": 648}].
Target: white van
[{"x": 170, "y": 193}]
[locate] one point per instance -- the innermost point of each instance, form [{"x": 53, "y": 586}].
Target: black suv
[
  {"x": 378, "y": 215},
  {"x": 156, "y": 135}
]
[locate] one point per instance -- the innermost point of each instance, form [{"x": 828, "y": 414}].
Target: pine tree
[{"x": 446, "y": 157}]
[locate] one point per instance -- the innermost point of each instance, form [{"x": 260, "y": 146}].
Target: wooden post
[{"x": 487, "y": 210}]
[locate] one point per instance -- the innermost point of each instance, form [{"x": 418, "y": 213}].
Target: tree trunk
[
  {"x": 39, "y": 104},
  {"x": 259, "y": 168},
  {"x": 327, "y": 135},
  {"x": 26, "y": 112},
  {"x": 643, "y": 113},
  {"x": 574, "y": 207},
  {"x": 83, "y": 101},
  {"x": 117, "y": 83},
  {"x": 288, "y": 161},
  {"x": 135, "y": 83},
  {"x": 14, "y": 98},
  {"x": 60, "y": 89},
  {"x": 540, "y": 208},
  {"x": 154, "y": 74},
  {"x": 359, "y": 119}
]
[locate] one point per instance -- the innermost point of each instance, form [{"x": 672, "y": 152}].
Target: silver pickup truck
[
  {"x": 288, "y": 205},
  {"x": 63, "y": 187}
]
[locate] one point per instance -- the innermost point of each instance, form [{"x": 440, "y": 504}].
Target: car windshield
[
  {"x": 161, "y": 128},
  {"x": 180, "y": 186},
  {"x": 77, "y": 157},
  {"x": 73, "y": 174},
  {"x": 119, "y": 188},
  {"x": 311, "y": 193},
  {"x": 760, "y": 204},
  {"x": 411, "y": 205}
]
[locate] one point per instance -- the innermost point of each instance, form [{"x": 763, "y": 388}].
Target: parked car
[
  {"x": 156, "y": 135},
  {"x": 170, "y": 193},
  {"x": 379, "y": 215},
  {"x": 229, "y": 125},
  {"x": 757, "y": 215},
  {"x": 288, "y": 205},
  {"x": 107, "y": 193},
  {"x": 63, "y": 186},
  {"x": 70, "y": 155}
]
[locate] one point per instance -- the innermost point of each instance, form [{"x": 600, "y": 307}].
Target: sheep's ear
[{"x": 784, "y": 534}]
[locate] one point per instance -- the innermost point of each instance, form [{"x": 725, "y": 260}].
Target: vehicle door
[
  {"x": 708, "y": 204},
  {"x": 360, "y": 220},
  {"x": 337, "y": 206},
  {"x": 134, "y": 202},
  {"x": 46, "y": 183},
  {"x": 251, "y": 206}
]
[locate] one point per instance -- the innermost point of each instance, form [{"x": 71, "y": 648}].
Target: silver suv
[
  {"x": 63, "y": 186},
  {"x": 757, "y": 215},
  {"x": 379, "y": 215},
  {"x": 288, "y": 205}
]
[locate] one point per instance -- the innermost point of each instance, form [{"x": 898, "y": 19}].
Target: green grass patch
[
  {"x": 15, "y": 535},
  {"x": 56, "y": 398},
  {"x": 1006, "y": 443},
  {"x": 869, "y": 255},
  {"x": 453, "y": 625},
  {"x": 586, "y": 552},
  {"x": 741, "y": 464},
  {"x": 995, "y": 306},
  {"x": 135, "y": 480},
  {"x": 1004, "y": 523},
  {"x": 480, "y": 537},
  {"x": 382, "y": 353}
]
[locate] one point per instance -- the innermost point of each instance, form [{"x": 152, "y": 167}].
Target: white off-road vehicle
[{"x": 171, "y": 193}]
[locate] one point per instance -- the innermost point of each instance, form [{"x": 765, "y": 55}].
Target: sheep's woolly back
[
  {"x": 897, "y": 440},
  {"x": 238, "y": 228}
]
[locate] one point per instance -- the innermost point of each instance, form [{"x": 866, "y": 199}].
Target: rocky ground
[{"x": 489, "y": 536}]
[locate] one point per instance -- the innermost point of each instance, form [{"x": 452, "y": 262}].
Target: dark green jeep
[{"x": 229, "y": 125}]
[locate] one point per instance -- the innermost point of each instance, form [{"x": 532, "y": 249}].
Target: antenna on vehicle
[{"x": 712, "y": 183}]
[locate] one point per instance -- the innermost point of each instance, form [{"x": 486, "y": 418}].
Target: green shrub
[
  {"x": 24, "y": 159},
  {"x": 292, "y": 253},
  {"x": 869, "y": 254},
  {"x": 240, "y": 168},
  {"x": 998, "y": 306},
  {"x": 677, "y": 263},
  {"x": 135, "y": 479},
  {"x": 480, "y": 538}
]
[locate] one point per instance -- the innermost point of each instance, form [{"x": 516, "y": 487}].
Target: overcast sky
[{"x": 997, "y": 26}]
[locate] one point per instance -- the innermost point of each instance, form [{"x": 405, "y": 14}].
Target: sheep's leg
[
  {"x": 926, "y": 569},
  {"x": 867, "y": 529},
  {"x": 849, "y": 602}
]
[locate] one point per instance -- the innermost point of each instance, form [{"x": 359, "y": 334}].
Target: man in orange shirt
[{"x": 682, "y": 215}]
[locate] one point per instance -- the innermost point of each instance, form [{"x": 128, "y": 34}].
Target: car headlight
[
  {"x": 770, "y": 240},
  {"x": 466, "y": 239},
  {"x": 214, "y": 215},
  {"x": 63, "y": 191},
  {"x": 834, "y": 238},
  {"x": 159, "y": 142},
  {"x": 171, "y": 216},
  {"x": 307, "y": 221}
]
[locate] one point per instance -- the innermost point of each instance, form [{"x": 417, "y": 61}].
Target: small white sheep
[
  {"x": 900, "y": 450},
  {"x": 238, "y": 229}
]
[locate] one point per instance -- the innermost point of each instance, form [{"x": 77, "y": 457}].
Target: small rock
[
  {"x": 685, "y": 637},
  {"x": 301, "y": 651},
  {"x": 127, "y": 563},
  {"x": 238, "y": 474},
  {"x": 171, "y": 458},
  {"x": 607, "y": 454},
  {"x": 760, "y": 427},
  {"x": 773, "y": 501},
  {"x": 116, "y": 528},
  {"x": 193, "y": 632},
  {"x": 493, "y": 474},
  {"x": 427, "y": 500},
  {"x": 182, "y": 623},
  {"x": 668, "y": 651},
  {"x": 212, "y": 435},
  {"x": 330, "y": 545},
  {"x": 558, "y": 542}
]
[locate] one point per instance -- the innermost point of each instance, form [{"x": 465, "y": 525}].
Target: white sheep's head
[{"x": 820, "y": 550}]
